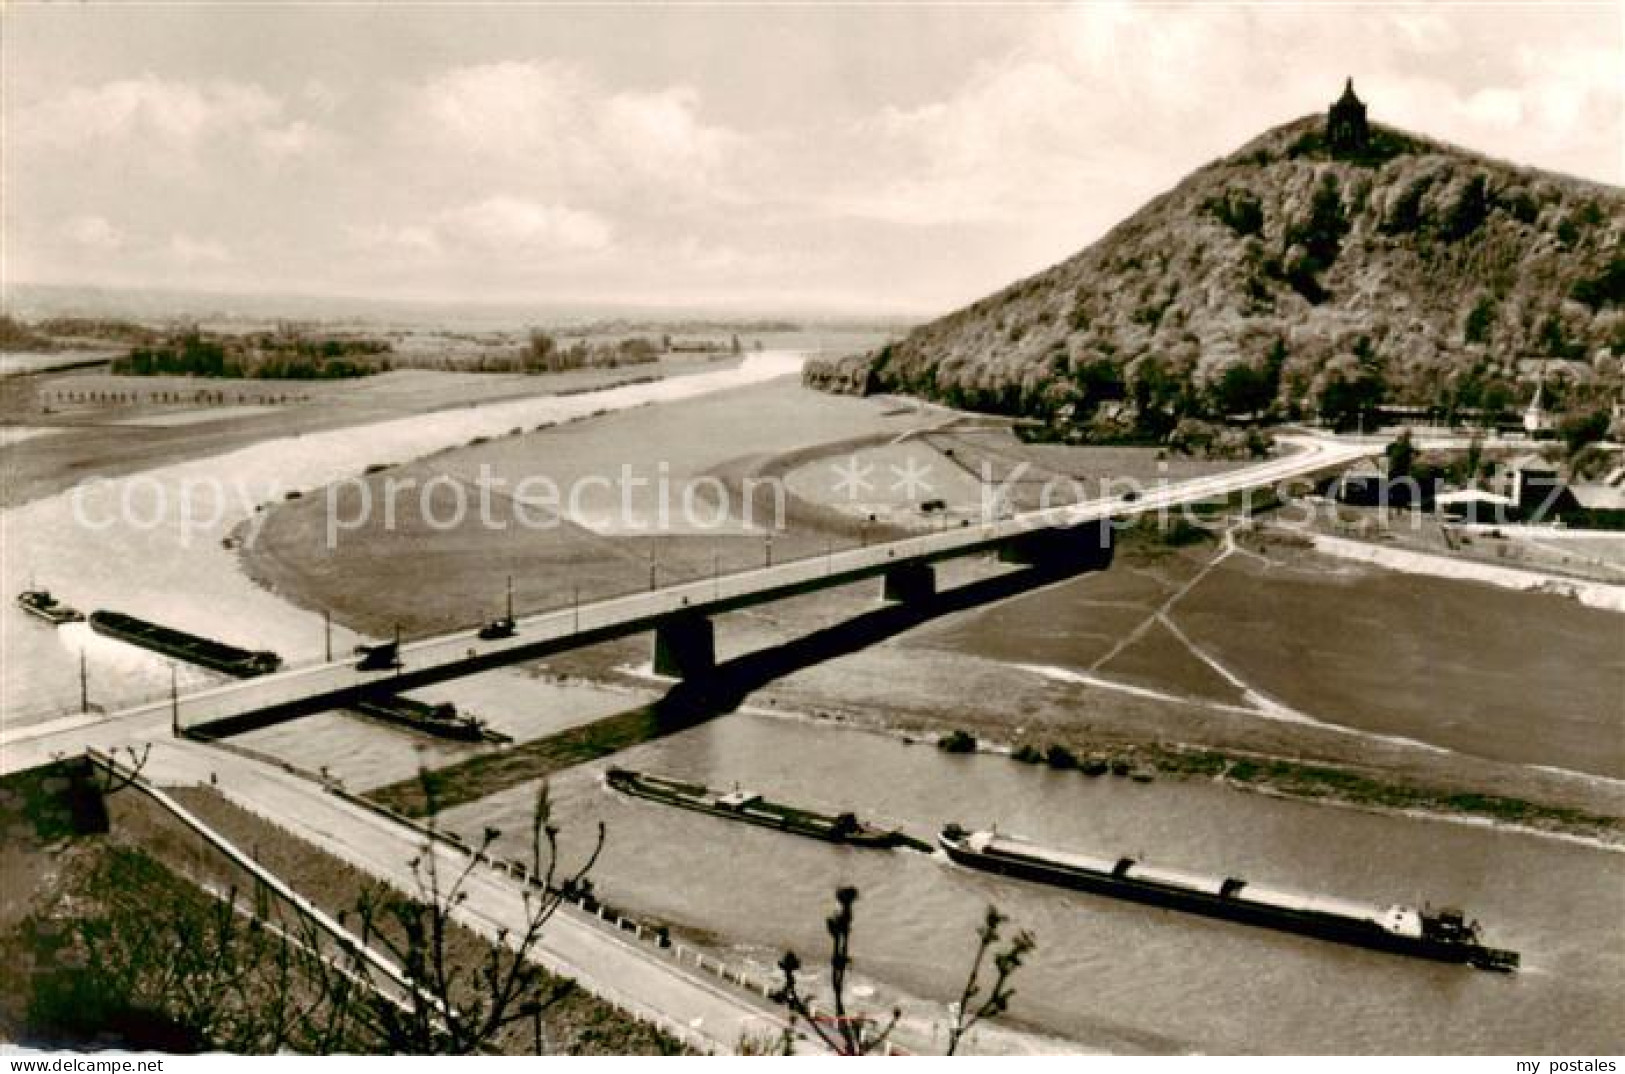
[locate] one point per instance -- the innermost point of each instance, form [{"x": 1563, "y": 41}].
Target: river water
[{"x": 1109, "y": 973}]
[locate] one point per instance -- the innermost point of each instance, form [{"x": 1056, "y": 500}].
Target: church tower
[
  {"x": 1536, "y": 420},
  {"x": 1346, "y": 130}
]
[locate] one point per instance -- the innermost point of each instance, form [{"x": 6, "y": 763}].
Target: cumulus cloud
[
  {"x": 567, "y": 132},
  {"x": 166, "y": 115},
  {"x": 416, "y": 239},
  {"x": 501, "y": 227},
  {"x": 289, "y": 140}
]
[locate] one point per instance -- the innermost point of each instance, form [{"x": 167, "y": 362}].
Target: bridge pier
[
  {"x": 909, "y": 583},
  {"x": 685, "y": 647},
  {"x": 1087, "y": 547}
]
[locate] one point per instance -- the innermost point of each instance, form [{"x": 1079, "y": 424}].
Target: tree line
[{"x": 259, "y": 356}]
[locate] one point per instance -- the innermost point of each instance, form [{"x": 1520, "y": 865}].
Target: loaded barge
[
  {"x": 441, "y": 720},
  {"x": 1444, "y": 936},
  {"x": 41, "y": 605},
  {"x": 754, "y": 809},
  {"x": 204, "y": 652}
]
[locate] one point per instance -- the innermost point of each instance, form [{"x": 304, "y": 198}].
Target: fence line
[
  {"x": 592, "y": 906},
  {"x": 346, "y": 940}
]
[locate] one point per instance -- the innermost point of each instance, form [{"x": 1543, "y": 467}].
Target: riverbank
[
  {"x": 110, "y": 440},
  {"x": 170, "y": 526},
  {"x": 1361, "y": 787},
  {"x": 476, "y": 777},
  {"x": 1291, "y": 778},
  {"x": 1593, "y": 593}
]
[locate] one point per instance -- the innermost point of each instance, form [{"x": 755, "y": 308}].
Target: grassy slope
[
  {"x": 52, "y": 873},
  {"x": 581, "y": 1025}
]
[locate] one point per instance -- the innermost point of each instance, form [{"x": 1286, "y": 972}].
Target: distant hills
[
  {"x": 159, "y": 306},
  {"x": 1302, "y": 273}
]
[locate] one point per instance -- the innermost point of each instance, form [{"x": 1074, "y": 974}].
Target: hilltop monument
[{"x": 1346, "y": 132}]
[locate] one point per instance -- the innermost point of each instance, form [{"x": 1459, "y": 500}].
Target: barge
[
  {"x": 204, "y": 652},
  {"x": 754, "y": 809},
  {"x": 1443, "y": 936},
  {"x": 441, "y": 720},
  {"x": 41, "y": 605}
]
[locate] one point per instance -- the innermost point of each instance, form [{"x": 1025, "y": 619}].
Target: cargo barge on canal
[
  {"x": 442, "y": 721},
  {"x": 754, "y": 809},
  {"x": 41, "y": 605},
  {"x": 1444, "y": 936},
  {"x": 204, "y": 652}
]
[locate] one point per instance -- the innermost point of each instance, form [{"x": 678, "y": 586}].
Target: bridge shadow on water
[{"x": 722, "y": 691}]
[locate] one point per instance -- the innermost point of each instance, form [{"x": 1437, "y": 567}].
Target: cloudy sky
[{"x": 854, "y": 157}]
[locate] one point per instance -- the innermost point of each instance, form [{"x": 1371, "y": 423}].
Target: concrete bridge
[{"x": 679, "y": 616}]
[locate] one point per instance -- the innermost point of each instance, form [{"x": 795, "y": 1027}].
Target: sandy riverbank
[
  {"x": 150, "y": 544},
  {"x": 1602, "y": 595}
]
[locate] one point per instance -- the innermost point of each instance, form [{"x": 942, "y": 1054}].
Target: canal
[{"x": 1106, "y": 973}]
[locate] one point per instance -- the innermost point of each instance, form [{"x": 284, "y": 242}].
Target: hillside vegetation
[{"x": 1282, "y": 279}]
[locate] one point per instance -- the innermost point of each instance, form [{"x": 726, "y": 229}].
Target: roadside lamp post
[
  {"x": 651, "y": 568},
  {"x": 716, "y": 575},
  {"x": 768, "y": 548}
]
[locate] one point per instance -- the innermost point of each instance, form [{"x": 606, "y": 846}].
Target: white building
[{"x": 1536, "y": 420}]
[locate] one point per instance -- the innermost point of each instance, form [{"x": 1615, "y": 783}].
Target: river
[
  {"x": 150, "y": 544},
  {"x": 1107, "y": 973}
]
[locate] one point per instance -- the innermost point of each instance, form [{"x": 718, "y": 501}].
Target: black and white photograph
[{"x": 991, "y": 530}]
